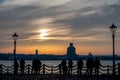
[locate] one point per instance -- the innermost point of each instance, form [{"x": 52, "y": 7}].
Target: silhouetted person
[
  {"x": 22, "y": 66},
  {"x": 64, "y": 67},
  {"x": 97, "y": 65},
  {"x": 70, "y": 65},
  {"x": 16, "y": 65},
  {"x": 79, "y": 66},
  {"x": 91, "y": 65},
  {"x": 38, "y": 64},
  {"x": 88, "y": 66},
  {"x": 33, "y": 66}
]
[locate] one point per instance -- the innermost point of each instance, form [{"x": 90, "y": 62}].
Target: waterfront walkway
[
  {"x": 58, "y": 77},
  {"x": 46, "y": 69},
  {"x": 55, "y": 73}
]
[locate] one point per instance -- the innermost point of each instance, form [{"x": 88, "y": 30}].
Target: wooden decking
[{"x": 58, "y": 77}]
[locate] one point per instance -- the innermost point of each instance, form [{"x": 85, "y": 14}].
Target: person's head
[{"x": 71, "y": 44}]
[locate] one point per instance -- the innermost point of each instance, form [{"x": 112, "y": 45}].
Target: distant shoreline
[{"x": 55, "y": 57}]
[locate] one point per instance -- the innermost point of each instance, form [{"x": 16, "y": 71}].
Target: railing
[{"x": 45, "y": 69}]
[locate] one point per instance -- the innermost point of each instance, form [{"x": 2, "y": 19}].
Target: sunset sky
[{"x": 50, "y": 25}]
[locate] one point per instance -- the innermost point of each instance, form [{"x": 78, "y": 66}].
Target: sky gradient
[{"x": 50, "y": 25}]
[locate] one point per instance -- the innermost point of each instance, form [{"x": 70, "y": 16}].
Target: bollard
[
  {"x": 28, "y": 69},
  {"x": 60, "y": 71},
  {"x": 118, "y": 68},
  {"x": 1, "y": 69},
  {"x": 59, "y": 68},
  {"x": 7, "y": 71},
  {"x": 43, "y": 68},
  {"x": 107, "y": 69},
  {"x": 51, "y": 69}
]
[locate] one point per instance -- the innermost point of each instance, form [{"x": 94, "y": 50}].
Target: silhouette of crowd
[
  {"x": 36, "y": 66},
  {"x": 65, "y": 67},
  {"x": 90, "y": 65}
]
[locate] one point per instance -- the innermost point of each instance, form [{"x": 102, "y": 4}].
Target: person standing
[
  {"x": 64, "y": 67},
  {"x": 70, "y": 65},
  {"x": 79, "y": 66},
  {"x": 88, "y": 66},
  {"x": 97, "y": 65},
  {"x": 22, "y": 66},
  {"x": 16, "y": 65},
  {"x": 91, "y": 65}
]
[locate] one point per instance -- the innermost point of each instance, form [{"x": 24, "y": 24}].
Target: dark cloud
[
  {"x": 20, "y": 16},
  {"x": 102, "y": 17},
  {"x": 81, "y": 22},
  {"x": 1, "y": 1}
]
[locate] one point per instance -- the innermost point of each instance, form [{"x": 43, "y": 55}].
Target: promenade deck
[{"x": 58, "y": 77}]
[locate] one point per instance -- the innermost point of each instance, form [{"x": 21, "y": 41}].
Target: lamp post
[
  {"x": 15, "y": 37},
  {"x": 113, "y": 29}
]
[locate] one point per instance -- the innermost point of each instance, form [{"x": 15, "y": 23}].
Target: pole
[
  {"x": 113, "y": 37},
  {"x": 14, "y": 49}
]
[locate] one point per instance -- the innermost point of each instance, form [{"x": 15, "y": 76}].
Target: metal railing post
[
  {"x": 1, "y": 69},
  {"x": 118, "y": 68},
  {"x": 28, "y": 69},
  {"x": 43, "y": 68},
  {"x": 60, "y": 70},
  {"x": 108, "y": 70},
  {"x": 51, "y": 69},
  {"x": 7, "y": 71}
]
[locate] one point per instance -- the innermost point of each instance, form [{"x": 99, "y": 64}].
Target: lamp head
[
  {"x": 113, "y": 28},
  {"x": 15, "y": 36}
]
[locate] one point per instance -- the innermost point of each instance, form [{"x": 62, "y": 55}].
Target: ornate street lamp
[
  {"x": 15, "y": 37},
  {"x": 113, "y": 29}
]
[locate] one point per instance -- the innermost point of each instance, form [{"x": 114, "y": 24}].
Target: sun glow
[{"x": 43, "y": 33}]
